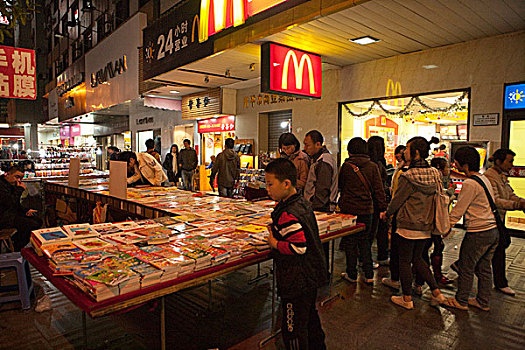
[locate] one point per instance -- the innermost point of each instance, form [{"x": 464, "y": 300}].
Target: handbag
[
  {"x": 441, "y": 204},
  {"x": 504, "y": 237}
]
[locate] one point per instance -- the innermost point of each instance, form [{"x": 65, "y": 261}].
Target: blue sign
[{"x": 515, "y": 96}]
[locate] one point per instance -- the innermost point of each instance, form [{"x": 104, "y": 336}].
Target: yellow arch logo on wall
[
  {"x": 394, "y": 89},
  {"x": 299, "y": 68},
  {"x": 219, "y": 15}
]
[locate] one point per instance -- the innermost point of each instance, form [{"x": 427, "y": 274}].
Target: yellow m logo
[
  {"x": 299, "y": 67},
  {"x": 219, "y": 16},
  {"x": 394, "y": 89}
]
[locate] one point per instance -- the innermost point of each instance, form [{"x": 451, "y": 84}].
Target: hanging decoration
[{"x": 406, "y": 110}]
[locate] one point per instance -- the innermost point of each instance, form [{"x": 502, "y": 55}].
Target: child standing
[{"x": 299, "y": 258}]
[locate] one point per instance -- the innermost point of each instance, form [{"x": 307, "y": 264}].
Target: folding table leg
[
  {"x": 273, "y": 333},
  {"x": 162, "y": 324},
  {"x": 330, "y": 296},
  {"x": 84, "y": 330},
  {"x": 258, "y": 277}
]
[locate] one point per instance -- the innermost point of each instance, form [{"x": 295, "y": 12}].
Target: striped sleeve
[{"x": 293, "y": 240}]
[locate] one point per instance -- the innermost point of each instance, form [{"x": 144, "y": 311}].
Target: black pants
[
  {"x": 359, "y": 244},
  {"x": 498, "y": 267},
  {"x": 301, "y": 326},
  {"x": 226, "y": 191},
  {"x": 411, "y": 254},
  {"x": 24, "y": 225},
  {"x": 379, "y": 230},
  {"x": 394, "y": 253},
  {"x": 437, "y": 241}
]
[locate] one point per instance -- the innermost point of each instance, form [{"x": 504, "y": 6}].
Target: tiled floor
[{"x": 363, "y": 318}]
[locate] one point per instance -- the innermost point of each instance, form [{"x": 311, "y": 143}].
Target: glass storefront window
[{"x": 444, "y": 115}]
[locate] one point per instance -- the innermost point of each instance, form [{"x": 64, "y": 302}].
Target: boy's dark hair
[
  {"x": 439, "y": 163},
  {"x": 468, "y": 155},
  {"x": 501, "y": 154},
  {"x": 115, "y": 149},
  {"x": 376, "y": 149},
  {"x": 420, "y": 144},
  {"x": 187, "y": 141},
  {"x": 316, "y": 136},
  {"x": 357, "y": 146},
  {"x": 126, "y": 156},
  {"x": 289, "y": 139},
  {"x": 399, "y": 149},
  {"x": 283, "y": 169},
  {"x": 229, "y": 143},
  {"x": 150, "y": 144}
]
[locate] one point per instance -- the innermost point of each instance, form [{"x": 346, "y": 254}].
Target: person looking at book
[
  {"x": 14, "y": 215},
  {"x": 362, "y": 190},
  {"x": 150, "y": 149},
  {"x": 299, "y": 259},
  {"x": 187, "y": 164},
  {"x": 290, "y": 148},
  {"x": 227, "y": 168},
  {"x": 143, "y": 169}
]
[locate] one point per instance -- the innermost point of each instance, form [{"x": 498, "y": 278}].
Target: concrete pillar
[{"x": 31, "y": 136}]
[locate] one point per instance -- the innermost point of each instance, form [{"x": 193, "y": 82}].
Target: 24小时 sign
[{"x": 485, "y": 119}]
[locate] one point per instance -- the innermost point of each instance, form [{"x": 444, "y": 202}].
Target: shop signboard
[
  {"x": 289, "y": 71},
  {"x": 74, "y": 130},
  {"x": 202, "y": 105},
  {"x": 515, "y": 96},
  {"x": 216, "y": 124},
  {"x": 17, "y": 73},
  {"x": 485, "y": 119},
  {"x": 71, "y": 100},
  {"x": 112, "y": 67}
]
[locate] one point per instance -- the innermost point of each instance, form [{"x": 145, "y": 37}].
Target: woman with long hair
[
  {"x": 414, "y": 204},
  {"x": 171, "y": 164},
  {"x": 290, "y": 148}
]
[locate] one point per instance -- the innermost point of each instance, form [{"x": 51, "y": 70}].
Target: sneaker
[
  {"x": 507, "y": 290},
  {"x": 454, "y": 267},
  {"x": 384, "y": 262},
  {"x": 444, "y": 281},
  {"x": 367, "y": 280},
  {"x": 474, "y": 302},
  {"x": 398, "y": 300},
  {"x": 418, "y": 290},
  {"x": 345, "y": 276},
  {"x": 387, "y": 281},
  {"x": 43, "y": 304},
  {"x": 435, "y": 301},
  {"x": 375, "y": 265},
  {"x": 452, "y": 302}
]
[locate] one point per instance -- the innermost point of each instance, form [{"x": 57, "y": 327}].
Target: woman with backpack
[{"x": 414, "y": 204}]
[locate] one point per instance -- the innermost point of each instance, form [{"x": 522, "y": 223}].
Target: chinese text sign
[{"x": 17, "y": 73}]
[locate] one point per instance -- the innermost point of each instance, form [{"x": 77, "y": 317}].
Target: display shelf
[{"x": 253, "y": 178}]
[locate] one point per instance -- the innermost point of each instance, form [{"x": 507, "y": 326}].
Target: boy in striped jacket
[{"x": 300, "y": 266}]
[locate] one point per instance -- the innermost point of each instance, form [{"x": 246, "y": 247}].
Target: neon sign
[
  {"x": 289, "y": 71},
  {"x": 216, "y": 15}
]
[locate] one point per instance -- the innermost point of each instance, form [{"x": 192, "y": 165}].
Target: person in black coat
[{"x": 171, "y": 164}]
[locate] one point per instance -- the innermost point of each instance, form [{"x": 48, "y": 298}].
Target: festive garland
[{"x": 405, "y": 111}]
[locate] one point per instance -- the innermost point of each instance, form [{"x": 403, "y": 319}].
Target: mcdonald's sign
[{"x": 289, "y": 71}]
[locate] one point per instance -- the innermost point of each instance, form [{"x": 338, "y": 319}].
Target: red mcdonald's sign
[{"x": 289, "y": 71}]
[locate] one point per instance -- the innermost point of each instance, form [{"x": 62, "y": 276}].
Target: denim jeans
[
  {"x": 187, "y": 179},
  {"x": 411, "y": 255},
  {"x": 475, "y": 257},
  {"x": 359, "y": 244}
]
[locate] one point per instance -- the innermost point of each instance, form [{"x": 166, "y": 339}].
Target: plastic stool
[
  {"x": 5, "y": 238},
  {"x": 23, "y": 273}
]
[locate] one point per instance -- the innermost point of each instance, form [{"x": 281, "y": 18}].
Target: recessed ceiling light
[
  {"x": 430, "y": 66},
  {"x": 365, "y": 40},
  {"x": 174, "y": 92}
]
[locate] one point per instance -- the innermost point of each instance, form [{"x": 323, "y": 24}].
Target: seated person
[
  {"x": 13, "y": 214},
  {"x": 143, "y": 169}
]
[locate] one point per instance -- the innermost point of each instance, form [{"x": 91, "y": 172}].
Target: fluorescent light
[
  {"x": 365, "y": 40},
  {"x": 430, "y": 66},
  {"x": 4, "y": 125},
  {"x": 174, "y": 92}
]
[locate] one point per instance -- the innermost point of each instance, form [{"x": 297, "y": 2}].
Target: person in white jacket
[{"x": 143, "y": 169}]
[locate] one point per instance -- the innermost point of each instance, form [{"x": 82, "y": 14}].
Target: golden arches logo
[
  {"x": 195, "y": 21},
  {"x": 220, "y": 8},
  {"x": 299, "y": 68},
  {"x": 394, "y": 89}
]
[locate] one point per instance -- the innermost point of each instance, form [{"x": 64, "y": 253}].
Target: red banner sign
[
  {"x": 289, "y": 71},
  {"x": 17, "y": 73},
  {"x": 216, "y": 124}
]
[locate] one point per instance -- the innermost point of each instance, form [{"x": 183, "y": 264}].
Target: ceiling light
[
  {"x": 174, "y": 92},
  {"x": 365, "y": 40},
  {"x": 430, "y": 66},
  {"x": 284, "y": 125}
]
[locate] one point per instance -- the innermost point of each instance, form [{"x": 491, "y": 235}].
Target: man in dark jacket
[
  {"x": 227, "y": 165},
  {"x": 13, "y": 214},
  {"x": 361, "y": 191},
  {"x": 187, "y": 164}
]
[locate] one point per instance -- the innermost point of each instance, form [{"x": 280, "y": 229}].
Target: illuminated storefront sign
[
  {"x": 216, "y": 15},
  {"x": 17, "y": 73},
  {"x": 216, "y": 124},
  {"x": 515, "y": 96},
  {"x": 289, "y": 71}
]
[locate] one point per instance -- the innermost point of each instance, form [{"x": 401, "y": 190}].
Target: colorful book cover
[
  {"x": 127, "y": 225},
  {"x": 79, "y": 231},
  {"x": 125, "y": 237},
  {"x": 92, "y": 244},
  {"x": 252, "y": 228},
  {"x": 59, "y": 248},
  {"x": 106, "y": 228},
  {"x": 51, "y": 235},
  {"x": 108, "y": 277}
]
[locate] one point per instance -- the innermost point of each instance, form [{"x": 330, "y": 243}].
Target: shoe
[
  {"x": 507, "y": 290},
  {"x": 452, "y": 302},
  {"x": 387, "y": 281},
  {"x": 367, "y": 280},
  {"x": 436, "y": 262},
  {"x": 43, "y": 304},
  {"x": 345, "y": 276},
  {"x": 398, "y": 300},
  {"x": 385, "y": 262},
  {"x": 474, "y": 302},
  {"x": 435, "y": 301},
  {"x": 454, "y": 267},
  {"x": 418, "y": 290},
  {"x": 444, "y": 281},
  {"x": 375, "y": 265}
]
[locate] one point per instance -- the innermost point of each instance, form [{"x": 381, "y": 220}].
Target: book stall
[{"x": 188, "y": 240}]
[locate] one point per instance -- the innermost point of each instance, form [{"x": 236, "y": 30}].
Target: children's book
[
  {"x": 80, "y": 231},
  {"x": 106, "y": 228},
  {"x": 51, "y": 235},
  {"x": 92, "y": 244}
]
